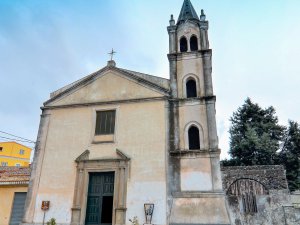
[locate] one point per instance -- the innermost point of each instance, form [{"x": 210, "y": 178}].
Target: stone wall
[
  {"x": 272, "y": 203},
  {"x": 272, "y": 177}
]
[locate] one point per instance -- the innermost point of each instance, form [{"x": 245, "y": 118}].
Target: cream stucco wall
[
  {"x": 193, "y": 113},
  {"x": 196, "y": 174},
  {"x": 190, "y": 66},
  {"x": 6, "y": 201},
  {"x": 139, "y": 132},
  {"x": 203, "y": 209}
]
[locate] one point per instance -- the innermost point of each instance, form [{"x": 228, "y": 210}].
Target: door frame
[
  {"x": 99, "y": 173},
  {"x": 120, "y": 167}
]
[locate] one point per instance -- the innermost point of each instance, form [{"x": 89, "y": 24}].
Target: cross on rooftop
[{"x": 112, "y": 53}]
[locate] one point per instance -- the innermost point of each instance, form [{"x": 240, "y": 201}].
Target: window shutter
[{"x": 105, "y": 122}]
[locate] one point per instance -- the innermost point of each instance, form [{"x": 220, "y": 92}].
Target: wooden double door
[{"x": 99, "y": 210}]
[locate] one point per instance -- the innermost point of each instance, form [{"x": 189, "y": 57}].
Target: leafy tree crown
[{"x": 255, "y": 135}]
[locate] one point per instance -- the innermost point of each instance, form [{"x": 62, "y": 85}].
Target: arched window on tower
[
  {"x": 194, "y": 43},
  {"x": 194, "y": 139},
  {"x": 191, "y": 88},
  {"x": 183, "y": 44}
]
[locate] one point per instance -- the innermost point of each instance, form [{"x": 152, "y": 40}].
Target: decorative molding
[
  {"x": 195, "y": 99},
  {"x": 198, "y": 194},
  {"x": 84, "y": 156},
  {"x": 190, "y": 55},
  {"x": 15, "y": 183},
  {"x": 185, "y": 153},
  {"x": 201, "y": 135},
  {"x": 120, "y": 165},
  {"x": 136, "y": 100},
  {"x": 122, "y": 155},
  {"x": 93, "y": 76},
  {"x": 199, "y": 224}
]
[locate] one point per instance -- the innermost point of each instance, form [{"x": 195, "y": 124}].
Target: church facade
[{"x": 119, "y": 146}]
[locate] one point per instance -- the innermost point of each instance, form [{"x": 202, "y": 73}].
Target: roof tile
[{"x": 12, "y": 174}]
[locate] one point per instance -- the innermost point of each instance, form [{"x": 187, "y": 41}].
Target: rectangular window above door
[
  {"x": 105, "y": 122},
  {"x": 105, "y": 126}
]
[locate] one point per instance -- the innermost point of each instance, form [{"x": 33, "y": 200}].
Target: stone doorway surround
[{"x": 120, "y": 166}]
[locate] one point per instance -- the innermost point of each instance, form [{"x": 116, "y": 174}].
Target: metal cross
[{"x": 112, "y": 53}]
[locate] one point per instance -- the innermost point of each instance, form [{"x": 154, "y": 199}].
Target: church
[{"x": 123, "y": 147}]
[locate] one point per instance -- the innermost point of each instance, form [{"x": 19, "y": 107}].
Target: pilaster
[
  {"x": 207, "y": 69},
  {"x": 36, "y": 168}
]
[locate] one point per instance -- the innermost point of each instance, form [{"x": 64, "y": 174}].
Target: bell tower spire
[
  {"x": 187, "y": 13},
  {"x": 195, "y": 184}
]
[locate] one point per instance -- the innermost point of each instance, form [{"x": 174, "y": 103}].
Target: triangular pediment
[{"x": 108, "y": 85}]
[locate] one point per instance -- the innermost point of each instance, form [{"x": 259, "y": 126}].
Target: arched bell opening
[
  {"x": 194, "y": 43},
  {"x": 183, "y": 45},
  {"x": 191, "y": 88},
  {"x": 194, "y": 138}
]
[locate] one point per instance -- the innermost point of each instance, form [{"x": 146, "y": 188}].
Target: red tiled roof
[{"x": 14, "y": 175}]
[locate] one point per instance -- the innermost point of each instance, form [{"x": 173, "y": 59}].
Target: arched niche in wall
[
  {"x": 190, "y": 86},
  {"x": 194, "y": 43},
  {"x": 243, "y": 185},
  {"x": 193, "y": 135},
  {"x": 183, "y": 44},
  {"x": 246, "y": 190}
]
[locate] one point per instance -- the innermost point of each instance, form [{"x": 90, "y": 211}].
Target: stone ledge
[
  {"x": 198, "y": 194},
  {"x": 199, "y": 224},
  {"x": 195, "y": 153}
]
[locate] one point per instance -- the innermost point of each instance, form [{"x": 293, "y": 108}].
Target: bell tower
[{"x": 195, "y": 194}]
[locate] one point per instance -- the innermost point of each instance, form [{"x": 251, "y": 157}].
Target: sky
[{"x": 45, "y": 45}]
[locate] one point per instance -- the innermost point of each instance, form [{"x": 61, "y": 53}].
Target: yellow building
[
  {"x": 13, "y": 190},
  {"x": 14, "y": 154}
]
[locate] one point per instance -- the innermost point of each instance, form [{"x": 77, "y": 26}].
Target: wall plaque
[{"x": 45, "y": 205}]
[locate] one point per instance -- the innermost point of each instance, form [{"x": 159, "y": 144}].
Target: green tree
[
  {"x": 290, "y": 154},
  {"x": 255, "y": 135}
]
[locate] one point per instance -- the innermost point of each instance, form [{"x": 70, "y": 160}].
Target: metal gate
[
  {"x": 99, "y": 208},
  {"x": 18, "y": 208}
]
